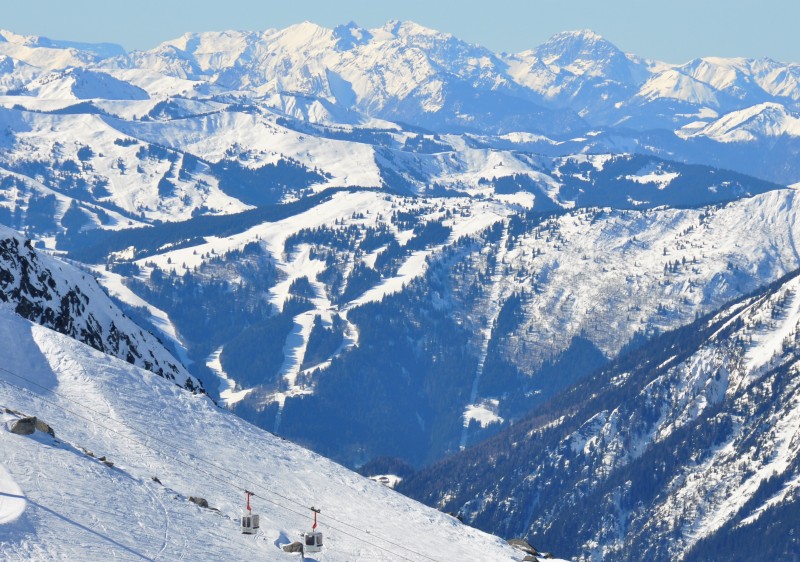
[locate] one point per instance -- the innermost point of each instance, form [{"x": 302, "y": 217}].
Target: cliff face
[{"x": 54, "y": 294}]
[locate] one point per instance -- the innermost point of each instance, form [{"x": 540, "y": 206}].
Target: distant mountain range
[{"x": 390, "y": 245}]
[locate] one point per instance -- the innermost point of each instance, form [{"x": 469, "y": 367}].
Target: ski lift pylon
[{"x": 249, "y": 520}]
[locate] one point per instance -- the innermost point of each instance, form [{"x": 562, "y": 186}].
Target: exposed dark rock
[
  {"x": 202, "y": 502},
  {"x": 296, "y": 546},
  {"x": 524, "y": 546},
  {"x": 44, "y": 428},
  {"x": 27, "y": 426},
  {"x": 33, "y": 289}
]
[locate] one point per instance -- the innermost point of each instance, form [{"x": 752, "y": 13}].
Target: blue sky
[{"x": 668, "y": 30}]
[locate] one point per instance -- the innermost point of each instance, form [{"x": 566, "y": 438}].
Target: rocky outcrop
[
  {"x": 29, "y": 425},
  {"x": 296, "y": 546},
  {"x": 55, "y": 295},
  {"x": 202, "y": 502}
]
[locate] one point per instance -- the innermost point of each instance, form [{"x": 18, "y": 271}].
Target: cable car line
[
  {"x": 209, "y": 463},
  {"x": 215, "y": 477}
]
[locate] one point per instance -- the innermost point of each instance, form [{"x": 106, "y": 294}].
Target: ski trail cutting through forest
[
  {"x": 486, "y": 332},
  {"x": 296, "y": 344}
]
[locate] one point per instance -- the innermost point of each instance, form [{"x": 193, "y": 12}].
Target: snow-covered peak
[
  {"x": 776, "y": 78},
  {"x": 211, "y": 50},
  {"x": 102, "y": 50},
  {"x": 410, "y": 29},
  {"x": 302, "y": 36},
  {"x": 45, "y": 58},
  {"x": 7, "y": 36},
  {"x": 674, "y": 84},
  {"x": 579, "y": 69},
  {"x": 51, "y": 54},
  {"x": 580, "y": 52},
  {"x": 82, "y": 84},
  {"x": 762, "y": 120}
]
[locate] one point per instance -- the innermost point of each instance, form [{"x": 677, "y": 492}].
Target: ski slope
[{"x": 57, "y": 502}]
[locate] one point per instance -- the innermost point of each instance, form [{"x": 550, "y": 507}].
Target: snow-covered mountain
[
  {"x": 206, "y": 190},
  {"x": 130, "y": 449},
  {"x": 580, "y": 70},
  {"x": 400, "y": 72},
  {"x": 54, "y": 294},
  {"x": 687, "y": 448},
  {"x": 767, "y": 120},
  {"x": 577, "y": 91},
  {"x": 361, "y": 295},
  {"x": 388, "y": 244}
]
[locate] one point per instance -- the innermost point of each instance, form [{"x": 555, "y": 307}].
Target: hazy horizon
[{"x": 673, "y": 32}]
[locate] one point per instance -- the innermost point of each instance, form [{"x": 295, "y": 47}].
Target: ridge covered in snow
[
  {"x": 687, "y": 447},
  {"x": 57, "y": 295},
  {"x": 130, "y": 449}
]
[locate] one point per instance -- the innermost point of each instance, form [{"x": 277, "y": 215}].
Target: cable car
[
  {"x": 313, "y": 540},
  {"x": 249, "y": 521}
]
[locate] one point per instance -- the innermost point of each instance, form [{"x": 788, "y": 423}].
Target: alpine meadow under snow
[{"x": 551, "y": 293}]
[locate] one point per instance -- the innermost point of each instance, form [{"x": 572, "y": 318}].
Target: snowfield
[{"x": 59, "y": 501}]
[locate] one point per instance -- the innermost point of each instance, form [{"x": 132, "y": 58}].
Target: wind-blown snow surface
[
  {"x": 12, "y": 502},
  {"x": 58, "y": 502}
]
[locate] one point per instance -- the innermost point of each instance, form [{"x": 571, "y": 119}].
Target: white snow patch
[
  {"x": 227, "y": 386},
  {"x": 12, "y": 500},
  {"x": 485, "y": 412},
  {"x": 768, "y": 342},
  {"x": 114, "y": 284},
  {"x": 660, "y": 178},
  {"x": 388, "y": 480}
]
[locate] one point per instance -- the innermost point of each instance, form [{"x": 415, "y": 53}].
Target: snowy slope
[
  {"x": 763, "y": 121},
  {"x": 60, "y": 502},
  {"x": 679, "y": 446},
  {"x": 57, "y": 295},
  {"x": 78, "y": 83}
]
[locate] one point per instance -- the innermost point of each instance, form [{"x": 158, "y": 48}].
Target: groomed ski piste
[
  {"x": 273, "y": 235},
  {"x": 162, "y": 444}
]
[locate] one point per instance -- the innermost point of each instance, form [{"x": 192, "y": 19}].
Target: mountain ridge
[{"x": 661, "y": 447}]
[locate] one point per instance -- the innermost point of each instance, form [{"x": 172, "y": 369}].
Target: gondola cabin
[
  {"x": 250, "y": 523},
  {"x": 249, "y": 520},
  {"x": 313, "y": 542}
]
